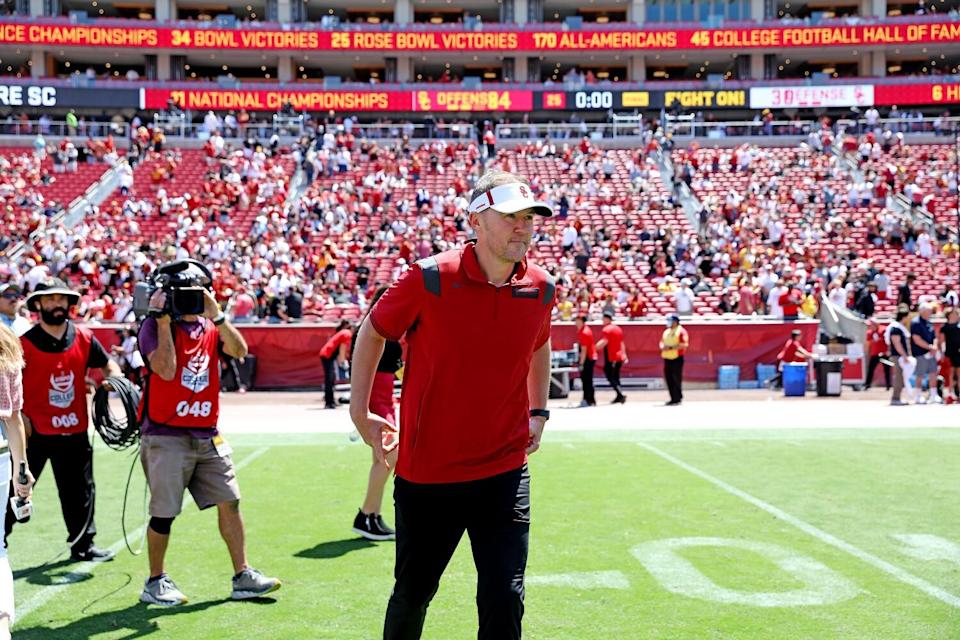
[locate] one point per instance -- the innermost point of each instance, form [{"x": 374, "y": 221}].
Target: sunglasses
[{"x": 10, "y": 296}]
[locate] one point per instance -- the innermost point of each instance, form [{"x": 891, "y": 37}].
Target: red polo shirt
[
  {"x": 332, "y": 346},
  {"x": 464, "y": 412},
  {"x": 614, "y": 350},
  {"x": 790, "y": 352},
  {"x": 585, "y": 338}
]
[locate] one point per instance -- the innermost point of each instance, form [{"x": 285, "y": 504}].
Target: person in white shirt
[
  {"x": 773, "y": 301},
  {"x": 683, "y": 298}
]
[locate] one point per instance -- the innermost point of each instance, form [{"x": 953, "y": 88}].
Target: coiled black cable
[{"x": 117, "y": 432}]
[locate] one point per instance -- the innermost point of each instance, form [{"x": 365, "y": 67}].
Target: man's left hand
[
  {"x": 211, "y": 308},
  {"x": 536, "y": 432}
]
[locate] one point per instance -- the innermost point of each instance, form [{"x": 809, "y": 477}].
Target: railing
[
  {"x": 626, "y": 129},
  {"x": 176, "y": 128},
  {"x": 940, "y": 125},
  {"x": 61, "y": 128}
]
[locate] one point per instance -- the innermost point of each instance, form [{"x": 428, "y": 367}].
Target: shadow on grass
[
  {"x": 54, "y": 573},
  {"x": 334, "y": 548},
  {"x": 139, "y": 619}
]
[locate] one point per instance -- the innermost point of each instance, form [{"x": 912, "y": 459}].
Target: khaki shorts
[{"x": 175, "y": 463}]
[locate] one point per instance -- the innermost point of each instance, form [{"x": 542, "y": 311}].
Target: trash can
[
  {"x": 794, "y": 378},
  {"x": 829, "y": 376}
]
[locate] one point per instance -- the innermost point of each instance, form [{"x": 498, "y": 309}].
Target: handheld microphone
[{"x": 22, "y": 507}]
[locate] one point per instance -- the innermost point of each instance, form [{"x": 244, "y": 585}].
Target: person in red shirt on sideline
[
  {"x": 793, "y": 351},
  {"x": 791, "y": 301},
  {"x": 588, "y": 358},
  {"x": 614, "y": 355},
  {"x": 473, "y": 407},
  {"x": 877, "y": 350},
  {"x": 334, "y": 352}
]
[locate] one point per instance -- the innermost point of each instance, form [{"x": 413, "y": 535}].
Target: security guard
[{"x": 673, "y": 346}]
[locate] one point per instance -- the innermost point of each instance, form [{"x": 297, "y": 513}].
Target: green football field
[{"x": 795, "y": 534}]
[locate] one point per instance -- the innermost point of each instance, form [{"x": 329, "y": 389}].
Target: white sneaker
[
  {"x": 163, "y": 592},
  {"x": 250, "y": 583},
  {"x": 935, "y": 398}
]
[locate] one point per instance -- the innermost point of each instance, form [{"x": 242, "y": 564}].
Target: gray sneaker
[
  {"x": 163, "y": 592},
  {"x": 250, "y": 583}
]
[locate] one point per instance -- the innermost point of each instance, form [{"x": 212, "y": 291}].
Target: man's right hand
[
  {"x": 158, "y": 301},
  {"x": 23, "y": 490},
  {"x": 372, "y": 429}
]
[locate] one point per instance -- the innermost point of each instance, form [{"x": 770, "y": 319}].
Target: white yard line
[
  {"x": 82, "y": 571},
  {"x": 903, "y": 576},
  {"x": 593, "y": 580}
]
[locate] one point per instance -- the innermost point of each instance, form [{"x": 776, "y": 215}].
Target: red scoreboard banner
[
  {"x": 779, "y": 37},
  {"x": 898, "y": 94},
  {"x": 452, "y": 100},
  {"x": 260, "y": 100}
]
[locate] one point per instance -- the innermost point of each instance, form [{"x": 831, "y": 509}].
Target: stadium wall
[{"x": 287, "y": 354}]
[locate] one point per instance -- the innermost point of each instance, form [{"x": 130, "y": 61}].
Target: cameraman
[{"x": 181, "y": 447}]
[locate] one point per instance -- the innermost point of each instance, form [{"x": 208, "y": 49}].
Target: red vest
[
  {"x": 191, "y": 399},
  {"x": 54, "y": 388}
]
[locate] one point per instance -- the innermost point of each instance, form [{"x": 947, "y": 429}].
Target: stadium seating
[{"x": 345, "y": 217}]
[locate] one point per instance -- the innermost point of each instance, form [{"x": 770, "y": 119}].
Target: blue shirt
[{"x": 924, "y": 329}]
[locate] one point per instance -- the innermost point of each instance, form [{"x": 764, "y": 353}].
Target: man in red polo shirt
[
  {"x": 334, "y": 352},
  {"x": 614, "y": 355},
  {"x": 588, "y": 358},
  {"x": 477, "y": 324}
]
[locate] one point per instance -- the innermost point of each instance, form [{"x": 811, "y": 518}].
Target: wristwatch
[
  {"x": 220, "y": 319},
  {"x": 540, "y": 413}
]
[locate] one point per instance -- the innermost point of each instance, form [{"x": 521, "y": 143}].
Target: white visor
[{"x": 509, "y": 198}]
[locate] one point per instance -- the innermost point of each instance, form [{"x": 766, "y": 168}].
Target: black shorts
[{"x": 954, "y": 360}]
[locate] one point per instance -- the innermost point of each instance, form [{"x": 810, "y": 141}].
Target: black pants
[
  {"x": 431, "y": 519},
  {"x": 72, "y": 460},
  {"x": 586, "y": 379},
  {"x": 871, "y": 369},
  {"x": 329, "y": 379},
  {"x": 673, "y": 375},
  {"x": 612, "y": 371}
]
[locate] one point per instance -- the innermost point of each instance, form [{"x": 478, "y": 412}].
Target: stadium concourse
[{"x": 829, "y": 215}]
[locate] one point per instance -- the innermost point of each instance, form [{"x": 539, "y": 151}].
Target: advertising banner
[
  {"x": 472, "y": 100},
  {"x": 806, "y": 97},
  {"x": 260, "y": 100},
  {"x": 40, "y": 96},
  {"x": 933, "y": 93},
  {"x": 62, "y": 34}
]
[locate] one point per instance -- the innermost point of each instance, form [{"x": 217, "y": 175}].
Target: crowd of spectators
[{"x": 371, "y": 207}]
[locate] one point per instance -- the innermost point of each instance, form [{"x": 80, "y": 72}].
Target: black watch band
[
  {"x": 220, "y": 319},
  {"x": 540, "y": 413}
]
